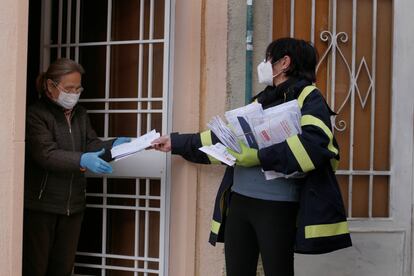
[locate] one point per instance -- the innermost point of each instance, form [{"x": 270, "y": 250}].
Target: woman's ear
[
  {"x": 49, "y": 85},
  {"x": 51, "y": 91},
  {"x": 286, "y": 62}
]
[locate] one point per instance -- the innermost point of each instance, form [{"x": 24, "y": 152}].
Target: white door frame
[{"x": 402, "y": 149}]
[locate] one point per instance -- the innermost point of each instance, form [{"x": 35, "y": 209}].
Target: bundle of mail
[
  {"x": 135, "y": 146},
  {"x": 255, "y": 127}
]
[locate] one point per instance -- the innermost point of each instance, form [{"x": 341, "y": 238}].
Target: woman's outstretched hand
[{"x": 162, "y": 144}]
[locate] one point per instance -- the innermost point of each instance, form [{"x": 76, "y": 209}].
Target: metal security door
[
  {"x": 360, "y": 43},
  {"x": 124, "y": 46}
]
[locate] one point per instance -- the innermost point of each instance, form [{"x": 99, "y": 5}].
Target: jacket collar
[{"x": 286, "y": 91}]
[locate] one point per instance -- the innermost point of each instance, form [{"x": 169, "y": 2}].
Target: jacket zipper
[
  {"x": 71, "y": 179},
  {"x": 43, "y": 186},
  {"x": 70, "y": 195}
]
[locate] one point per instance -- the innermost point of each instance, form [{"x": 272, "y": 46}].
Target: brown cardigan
[{"x": 53, "y": 180}]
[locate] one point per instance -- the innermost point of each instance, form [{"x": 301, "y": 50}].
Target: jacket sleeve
[
  {"x": 304, "y": 152},
  {"x": 187, "y": 145},
  {"x": 43, "y": 148}
]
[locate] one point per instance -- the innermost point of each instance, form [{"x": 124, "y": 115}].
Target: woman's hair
[
  {"x": 303, "y": 57},
  {"x": 56, "y": 71}
]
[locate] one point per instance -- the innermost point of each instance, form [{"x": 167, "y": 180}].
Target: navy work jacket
[{"x": 321, "y": 226}]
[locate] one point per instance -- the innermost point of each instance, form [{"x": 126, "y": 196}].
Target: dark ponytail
[{"x": 41, "y": 82}]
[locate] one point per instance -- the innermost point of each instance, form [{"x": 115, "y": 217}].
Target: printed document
[
  {"x": 224, "y": 133},
  {"x": 135, "y": 145},
  {"x": 219, "y": 151},
  {"x": 240, "y": 121},
  {"x": 255, "y": 127},
  {"x": 277, "y": 124}
]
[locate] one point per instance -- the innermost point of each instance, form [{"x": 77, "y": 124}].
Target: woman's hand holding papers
[{"x": 162, "y": 144}]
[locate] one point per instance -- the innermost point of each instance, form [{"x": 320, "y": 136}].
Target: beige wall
[
  {"x": 13, "y": 37},
  {"x": 199, "y": 92}
]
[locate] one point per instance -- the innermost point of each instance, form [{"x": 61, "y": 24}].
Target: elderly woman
[
  {"x": 275, "y": 218},
  {"x": 61, "y": 145}
]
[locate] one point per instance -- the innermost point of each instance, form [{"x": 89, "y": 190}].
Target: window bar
[
  {"x": 333, "y": 56},
  {"x": 149, "y": 126},
  {"x": 104, "y": 225},
  {"x": 77, "y": 30},
  {"x": 68, "y": 27},
  {"x": 136, "y": 232},
  {"x": 139, "y": 116},
  {"x": 167, "y": 97},
  {"x": 116, "y": 256},
  {"x": 166, "y": 127},
  {"x": 133, "y": 111},
  {"x": 115, "y": 268},
  {"x": 150, "y": 63},
  {"x": 146, "y": 233},
  {"x": 163, "y": 235},
  {"x": 353, "y": 84},
  {"x": 373, "y": 90},
  {"x": 363, "y": 172},
  {"x": 45, "y": 35},
  {"x": 292, "y": 18},
  {"x": 122, "y": 196},
  {"x": 312, "y": 34},
  {"x": 107, "y": 68},
  {"x": 111, "y": 100},
  {"x": 59, "y": 44},
  {"x": 123, "y": 207},
  {"x": 140, "y": 64},
  {"x": 106, "y": 131},
  {"x": 104, "y": 43}
]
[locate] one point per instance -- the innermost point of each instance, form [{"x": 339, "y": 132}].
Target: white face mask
[
  {"x": 67, "y": 100},
  {"x": 265, "y": 72}
]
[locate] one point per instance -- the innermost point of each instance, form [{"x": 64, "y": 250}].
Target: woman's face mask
[
  {"x": 265, "y": 72},
  {"x": 67, "y": 100},
  {"x": 68, "y": 95}
]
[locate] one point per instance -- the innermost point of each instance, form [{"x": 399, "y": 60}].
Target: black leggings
[{"x": 256, "y": 226}]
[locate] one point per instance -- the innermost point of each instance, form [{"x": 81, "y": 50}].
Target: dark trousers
[
  {"x": 49, "y": 243},
  {"x": 256, "y": 226}
]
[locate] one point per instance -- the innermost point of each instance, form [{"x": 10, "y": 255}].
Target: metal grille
[
  {"x": 126, "y": 93},
  {"x": 351, "y": 49}
]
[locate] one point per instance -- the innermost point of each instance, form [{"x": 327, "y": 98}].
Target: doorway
[{"x": 124, "y": 49}]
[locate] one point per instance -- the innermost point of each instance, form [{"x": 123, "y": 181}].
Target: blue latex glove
[
  {"x": 92, "y": 162},
  {"x": 121, "y": 140},
  {"x": 247, "y": 158}
]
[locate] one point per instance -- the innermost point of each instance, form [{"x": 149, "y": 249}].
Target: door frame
[{"x": 402, "y": 141}]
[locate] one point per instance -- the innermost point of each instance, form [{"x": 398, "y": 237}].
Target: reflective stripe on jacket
[{"x": 322, "y": 224}]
